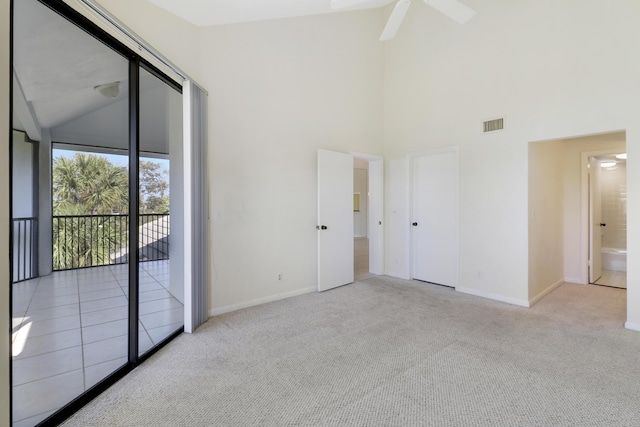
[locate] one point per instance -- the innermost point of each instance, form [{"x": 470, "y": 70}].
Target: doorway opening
[
  {"x": 367, "y": 216},
  {"x": 336, "y": 203},
  {"x": 360, "y": 219},
  {"x": 561, "y": 219},
  {"x": 608, "y": 220}
]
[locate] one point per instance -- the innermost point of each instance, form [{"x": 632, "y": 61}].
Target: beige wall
[
  {"x": 5, "y": 136},
  {"x": 279, "y": 90},
  {"x": 546, "y": 219},
  {"x": 545, "y": 65},
  {"x": 173, "y": 37}
]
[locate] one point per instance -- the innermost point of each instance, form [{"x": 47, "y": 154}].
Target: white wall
[
  {"x": 575, "y": 221},
  {"x": 5, "y": 135},
  {"x": 546, "y": 218},
  {"x": 279, "y": 90},
  {"x": 23, "y": 184},
  {"x": 360, "y": 178},
  {"x": 547, "y": 66},
  {"x": 613, "y": 183},
  {"x": 173, "y": 37}
]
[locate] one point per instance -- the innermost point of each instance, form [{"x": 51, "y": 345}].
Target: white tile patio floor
[{"x": 70, "y": 331}]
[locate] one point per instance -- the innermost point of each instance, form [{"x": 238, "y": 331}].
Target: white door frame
[
  {"x": 375, "y": 220},
  {"x": 410, "y": 157},
  {"x": 585, "y": 223}
]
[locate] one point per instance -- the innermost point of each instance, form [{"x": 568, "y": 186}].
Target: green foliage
[
  {"x": 153, "y": 188},
  {"x": 88, "y": 186}
]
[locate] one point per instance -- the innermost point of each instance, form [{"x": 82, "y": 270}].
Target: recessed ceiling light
[
  {"x": 621, "y": 156},
  {"x": 607, "y": 164}
]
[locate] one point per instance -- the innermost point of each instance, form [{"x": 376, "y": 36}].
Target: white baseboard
[
  {"x": 397, "y": 275},
  {"x": 632, "y": 326},
  {"x": 546, "y": 292},
  {"x": 258, "y": 301},
  {"x": 496, "y": 297},
  {"x": 574, "y": 280}
]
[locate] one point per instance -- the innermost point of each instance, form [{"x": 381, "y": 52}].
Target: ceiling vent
[{"x": 493, "y": 125}]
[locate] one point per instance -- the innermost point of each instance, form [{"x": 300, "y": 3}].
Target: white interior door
[
  {"x": 595, "y": 216},
  {"x": 335, "y": 219},
  {"x": 434, "y": 217}
]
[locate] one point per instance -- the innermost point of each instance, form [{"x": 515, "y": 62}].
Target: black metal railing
[
  {"x": 95, "y": 240},
  {"x": 25, "y": 248},
  {"x": 154, "y": 237}
]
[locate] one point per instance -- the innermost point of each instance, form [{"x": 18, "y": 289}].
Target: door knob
[
  {"x": 415, "y": 224},
  {"x": 321, "y": 227},
  {"x": 602, "y": 224}
]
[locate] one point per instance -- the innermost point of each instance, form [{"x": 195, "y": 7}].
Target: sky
[{"x": 116, "y": 159}]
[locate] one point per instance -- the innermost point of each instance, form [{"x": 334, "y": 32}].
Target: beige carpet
[{"x": 388, "y": 352}]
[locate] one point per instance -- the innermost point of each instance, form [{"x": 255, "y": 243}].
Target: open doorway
[
  {"x": 367, "y": 216},
  {"x": 559, "y": 217},
  {"x": 608, "y": 220},
  {"x": 336, "y": 202},
  {"x": 360, "y": 218}
]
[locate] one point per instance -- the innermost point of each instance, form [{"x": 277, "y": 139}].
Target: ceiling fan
[{"x": 452, "y": 8}]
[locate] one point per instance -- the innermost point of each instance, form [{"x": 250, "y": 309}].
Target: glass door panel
[
  {"x": 161, "y": 271},
  {"x": 70, "y": 203}
]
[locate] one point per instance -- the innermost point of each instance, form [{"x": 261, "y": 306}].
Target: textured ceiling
[
  {"x": 57, "y": 65},
  {"x": 218, "y": 12}
]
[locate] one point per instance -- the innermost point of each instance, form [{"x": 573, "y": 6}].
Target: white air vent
[{"x": 493, "y": 125}]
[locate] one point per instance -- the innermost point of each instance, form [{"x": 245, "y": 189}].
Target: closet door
[{"x": 434, "y": 217}]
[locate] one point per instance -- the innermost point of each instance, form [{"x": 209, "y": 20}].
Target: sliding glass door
[
  {"x": 97, "y": 278},
  {"x": 160, "y": 210}
]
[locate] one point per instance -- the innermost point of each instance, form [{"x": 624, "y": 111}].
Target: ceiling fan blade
[
  {"x": 342, "y": 4},
  {"x": 396, "y": 18},
  {"x": 453, "y": 9}
]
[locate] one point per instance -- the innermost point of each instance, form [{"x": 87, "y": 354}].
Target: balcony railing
[
  {"x": 95, "y": 240},
  {"x": 25, "y": 249}
]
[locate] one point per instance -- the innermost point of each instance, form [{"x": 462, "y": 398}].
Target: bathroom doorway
[{"x": 608, "y": 219}]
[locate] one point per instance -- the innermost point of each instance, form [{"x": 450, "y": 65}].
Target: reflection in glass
[{"x": 161, "y": 289}]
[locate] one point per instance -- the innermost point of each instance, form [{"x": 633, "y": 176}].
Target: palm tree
[
  {"x": 89, "y": 184},
  {"x": 85, "y": 187}
]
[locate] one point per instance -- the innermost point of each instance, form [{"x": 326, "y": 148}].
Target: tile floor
[
  {"x": 616, "y": 279},
  {"x": 361, "y": 258},
  {"x": 70, "y": 331}
]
